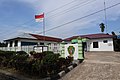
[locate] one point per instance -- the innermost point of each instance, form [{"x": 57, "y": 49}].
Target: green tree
[
  {"x": 3, "y": 44},
  {"x": 113, "y": 33},
  {"x": 102, "y": 26}
]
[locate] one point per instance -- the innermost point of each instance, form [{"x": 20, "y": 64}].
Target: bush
[
  {"x": 17, "y": 60},
  {"x": 21, "y": 53},
  {"x": 6, "y": 57},
  {"x": 42, "y": 65},
  {"x": 32, "y": 52},
  {"x": 61, "y": 63},
  {"x": 39, "y": 56},
  {"x": 7, "y": 54},
  {"x": 49, "y": 62},
  {"x": 50, "y": 58},
  {"x": 69, "y": 60},
  {"x": 2, "y": 54},
  {"x": 47, "y": 52},
  {"x": 42, "y": 55}
]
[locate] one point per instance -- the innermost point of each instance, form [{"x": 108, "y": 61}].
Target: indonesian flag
[{"x": 39, "y": 18}]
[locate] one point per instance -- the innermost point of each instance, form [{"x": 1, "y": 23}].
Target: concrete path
[{"x": 97, "y": 66}]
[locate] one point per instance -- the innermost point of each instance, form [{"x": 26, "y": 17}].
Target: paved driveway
[{"x": 97, "y": 66}]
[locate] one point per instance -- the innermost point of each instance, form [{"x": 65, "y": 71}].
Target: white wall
[
  {"x": 102, "y": 46},
  {"x": 75, "y": 54},
  {"x": 55, "y": 46}
]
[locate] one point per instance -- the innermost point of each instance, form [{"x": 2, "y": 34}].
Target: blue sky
[{"x": 17, "y": 16}]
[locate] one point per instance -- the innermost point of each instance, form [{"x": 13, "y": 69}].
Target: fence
[
  {"x": 26, "y": 49},
  {"x": 23, "y": 48}
]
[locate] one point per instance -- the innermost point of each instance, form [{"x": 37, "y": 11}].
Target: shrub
[
  {"x": 21, "y": 53},
  {"x": 2, "y": 54},
  {"x": 39, "y": 56},
  {"x": 42, "y": 65},
  {"x": 47, "y": 52},
  {"x": 69, "y": 60},
  {"x": 42, "y": 55},
  {"x": 61, "y": 63},
  {"x": 49, "y": 61},
  {"x": 50, "y": 58},
  {"x": 5, "y": 57},
  {"x": 17, "y": 60},
  {"x": 32, "y": 52},
  {"x": 7, "y": 54}
]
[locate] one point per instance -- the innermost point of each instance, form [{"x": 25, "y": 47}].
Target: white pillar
[
  {"x": 13, "y": 44},
  {"x": 19, "y": 43},
  {"x": 8, "y": 44},
  {"x": 19, "y": 46}
]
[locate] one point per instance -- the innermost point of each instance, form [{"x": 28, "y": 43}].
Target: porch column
[
  {"x": 8, "y": 44},
  {"x": 19, "y": 46},
  {"x": 19, "y": 43},
  {"x": 13, "y": 44}
]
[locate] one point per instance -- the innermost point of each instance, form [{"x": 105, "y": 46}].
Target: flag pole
[
  {"x": 44, "y": 27},
  {"x": 38, "y": 19}
]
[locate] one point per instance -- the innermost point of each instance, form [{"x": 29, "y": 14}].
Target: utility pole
[{"x": 105, "y": 15}]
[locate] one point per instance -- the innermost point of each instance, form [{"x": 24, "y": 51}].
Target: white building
[
  {"x": 91, "y": 42},
  {"x": 96, "y": 42},
  {"x": 27, "y": 42}
]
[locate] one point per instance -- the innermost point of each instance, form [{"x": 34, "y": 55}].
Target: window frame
[
  {"x": 11, "y": 43},
  {"x": 105, "y": 41},
  {"x": 96, "y": 44},
  {"x": 16, "y": 43}
]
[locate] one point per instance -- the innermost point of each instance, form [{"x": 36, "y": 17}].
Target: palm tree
[
  {"x": 102, "y": 26},
  {"x": 113, "y": 33}
]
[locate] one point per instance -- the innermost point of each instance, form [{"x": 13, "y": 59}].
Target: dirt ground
[{"x": 97, "y": 66}]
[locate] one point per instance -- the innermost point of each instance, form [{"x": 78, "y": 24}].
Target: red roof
[
  {"x": 91, "y": 36},
  {"x": 46, "y": 38},
  {"x": 69, "y": 39}
]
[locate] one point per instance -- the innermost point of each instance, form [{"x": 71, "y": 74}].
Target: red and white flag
[{"x": 39, "y": 18}]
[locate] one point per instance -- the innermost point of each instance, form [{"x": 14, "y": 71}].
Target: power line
[
  {"x": 72, "y": 8},
  {"x": 46, "y": 13},
  {"x": 116, "y": 30},
  {"x": 32, "y": 19},
  {"x": 80, "y": 18},
  {"x": 50, "y": 12},
  {"x": 60, "y": 7}
]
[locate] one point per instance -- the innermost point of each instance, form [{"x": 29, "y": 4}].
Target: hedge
[{"x": 42, "y": 65}]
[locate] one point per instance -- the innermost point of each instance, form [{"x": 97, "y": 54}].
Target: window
[
  {"x": 73, "y": 42},
  {"x": 28, "y": 43},
  {"x": 95, "y": 45},
  {"x": 11, "y": 43},
  {"x": 50, "y": 48},
  {"x": 55, "y": 44},
  {"x": 55, "y": 47},
  {"x": 16, "y": 43},
  {"x": 41, "y": 43},
  {"x": 105, "y": 41},
  {"x": 49, "y": 44}
]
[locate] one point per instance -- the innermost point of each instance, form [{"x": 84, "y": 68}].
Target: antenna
[{"x": 105, "y": 15}]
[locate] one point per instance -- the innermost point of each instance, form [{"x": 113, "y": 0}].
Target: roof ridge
[{"x": 45, "y": 36}]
